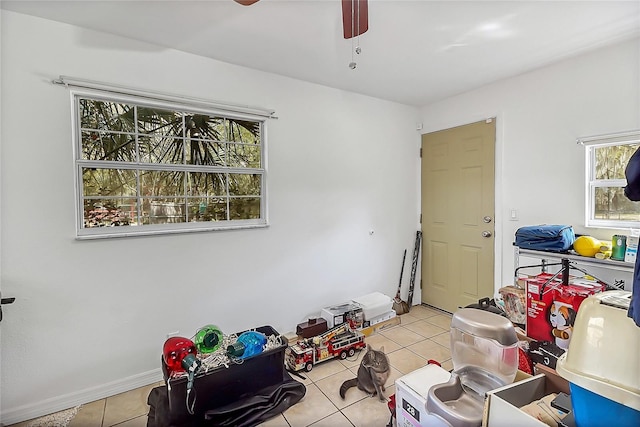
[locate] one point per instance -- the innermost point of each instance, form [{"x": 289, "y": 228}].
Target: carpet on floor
[{"x": 59, "y": 419}]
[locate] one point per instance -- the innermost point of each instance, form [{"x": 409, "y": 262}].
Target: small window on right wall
[{"x": 606, "y": 160}]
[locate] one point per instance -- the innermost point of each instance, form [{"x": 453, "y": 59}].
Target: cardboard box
[
  {"x": 338, "y": 314},
  {"x": 556, "y": 382},
  {"x": 632, "y": 249},
  {"x": 552, "y": 307},
  {"x": 379, "y": 319},
  {"x": 502, "y": 406},
  {"x": 411, "y": 394},
  {"x": 540, "y": 296},
  {"x": 385, "y": 324}
]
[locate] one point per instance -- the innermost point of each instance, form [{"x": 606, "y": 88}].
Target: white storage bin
[
  {"x": 374, "y": 305},
  {"x": 411, "y": 396}
]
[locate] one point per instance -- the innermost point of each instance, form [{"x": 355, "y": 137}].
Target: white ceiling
[{"x": 415, "y": 52}]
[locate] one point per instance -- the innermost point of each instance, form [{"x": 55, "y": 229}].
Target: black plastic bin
[{"x": 222, "y": 386}]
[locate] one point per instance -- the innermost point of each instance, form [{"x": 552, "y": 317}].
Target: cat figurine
[{"x": 372, "y": 374}]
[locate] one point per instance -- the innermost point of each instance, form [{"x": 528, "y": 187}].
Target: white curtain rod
[
  {"x": 620, "y": 137},
  {"x": 159, "y": 96}
]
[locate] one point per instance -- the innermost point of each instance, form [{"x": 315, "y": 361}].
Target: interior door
[{"x": 458, "y": 193}]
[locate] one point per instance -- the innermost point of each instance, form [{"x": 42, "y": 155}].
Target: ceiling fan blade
[
  {"x": 246, "y": 2},
  {"x": 355, "y": 17}
]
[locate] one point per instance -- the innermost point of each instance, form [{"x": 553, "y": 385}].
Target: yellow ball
[{"x": 587, "y": 246}]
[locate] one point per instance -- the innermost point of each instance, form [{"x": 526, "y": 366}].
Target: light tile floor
[{"x": 422, "y": 335}]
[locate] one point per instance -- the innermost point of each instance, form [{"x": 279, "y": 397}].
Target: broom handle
[{"x": 401, "y": 270}]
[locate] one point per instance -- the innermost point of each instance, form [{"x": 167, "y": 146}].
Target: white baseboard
[{"x": 71, "y": 400}]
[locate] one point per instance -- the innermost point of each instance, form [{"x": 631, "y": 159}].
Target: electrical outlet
[{"x": 173, "y": 334}]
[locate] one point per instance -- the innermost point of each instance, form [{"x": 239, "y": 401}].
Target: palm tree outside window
[{"x": 144, "y": 167}]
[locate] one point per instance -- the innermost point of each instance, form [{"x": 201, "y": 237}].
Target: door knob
[
  {"x": 487, "y": 219},
  {"x": 486, "y": 234}
]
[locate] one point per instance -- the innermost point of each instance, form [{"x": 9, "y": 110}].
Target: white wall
[
  {"x": 540, "y": 169},
  {"x": 91, "y": 316}
]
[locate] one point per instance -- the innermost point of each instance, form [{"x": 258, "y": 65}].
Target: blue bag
[{"x": 557, "y": 238}]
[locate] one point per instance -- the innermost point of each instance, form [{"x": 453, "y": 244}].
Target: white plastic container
[
  {"x": 603, "y": 362},
  {"x": 485, "y": 345},
  {"x": 374, "y": 305},
  {"x": 411, "y": 394},
  {"x": 484, "y": 353}
]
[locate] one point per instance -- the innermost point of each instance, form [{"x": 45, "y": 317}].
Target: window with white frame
[
  {"x": 606, "y": 160},
  {"x": 145, "y": 166}
]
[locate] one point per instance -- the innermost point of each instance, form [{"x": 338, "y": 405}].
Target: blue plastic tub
[{"x": 592, "y": 410}]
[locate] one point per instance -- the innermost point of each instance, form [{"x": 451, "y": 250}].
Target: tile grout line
[{"x": 104, "y": 410}]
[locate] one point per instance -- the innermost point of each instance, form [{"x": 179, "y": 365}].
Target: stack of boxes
[{"x": 366, "y": 312}]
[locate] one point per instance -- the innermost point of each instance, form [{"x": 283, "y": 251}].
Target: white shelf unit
[{"x": 605, "y": 269}]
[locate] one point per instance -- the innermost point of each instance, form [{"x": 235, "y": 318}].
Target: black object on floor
[
  {"x": 250, "y": 410},
  {"x": 223, "y": 386}
]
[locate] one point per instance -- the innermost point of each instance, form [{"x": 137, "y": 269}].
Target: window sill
[{"x": 110, "y": 232}]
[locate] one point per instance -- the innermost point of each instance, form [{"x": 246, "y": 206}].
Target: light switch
[{"x": 513, "y": 216}]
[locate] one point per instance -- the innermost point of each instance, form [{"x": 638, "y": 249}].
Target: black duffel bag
[{"x": 251, "y": 410}]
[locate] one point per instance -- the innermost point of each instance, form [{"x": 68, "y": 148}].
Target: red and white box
[
  {"x": 552, "y": 316},
  {"x": 540, "y": 294}
]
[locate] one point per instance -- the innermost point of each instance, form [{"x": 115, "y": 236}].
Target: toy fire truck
[{"x": 340, "y": 341}]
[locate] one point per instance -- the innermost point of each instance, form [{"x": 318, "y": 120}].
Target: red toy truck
[{"x": 340, "y": 341}]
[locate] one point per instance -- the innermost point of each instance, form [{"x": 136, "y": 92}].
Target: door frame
[{"x": 500, "y": 211}]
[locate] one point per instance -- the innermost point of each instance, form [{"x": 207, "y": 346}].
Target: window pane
[
  {"x": 244, "y": 131},
  {"x": 209, "y": 209},
  {"x": 612, "y": 204},
  {"x": 110, "y": 212},
  {"x": 163, "y": 210},
  {"x": 108, "y": 146},
  {"x": 162, "y": 183},
  {"x": 201, "y": 126},
  {"x": 200, "y": 152},
  {"x": 207, "y": 184},
  {"x": 244, "y": 184},
  {"x": 104, "y": 115},
  {"x": 161, "y": 149},
  {"x": 611, "y": 161},
  {"x": 244, "y": 156},
  {"x": 108, "y": 182},
  {"x": 156, "y": 121},
  {"x": 244, "y": 208}
]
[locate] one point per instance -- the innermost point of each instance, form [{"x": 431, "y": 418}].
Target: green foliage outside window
[
  {"x": 143, "y": 165},
  {"x": 610, "y": 205}
]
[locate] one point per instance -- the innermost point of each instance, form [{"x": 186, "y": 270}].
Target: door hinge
[
  {"x": 4, "y": 301},
  {"x": 421, "y": 153},
  {"x": 420, "y": 218}
]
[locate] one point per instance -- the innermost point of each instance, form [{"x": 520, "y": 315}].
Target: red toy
[
  {"x": 175, "y": 350},
  {"x": 340, "y": 341}
]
